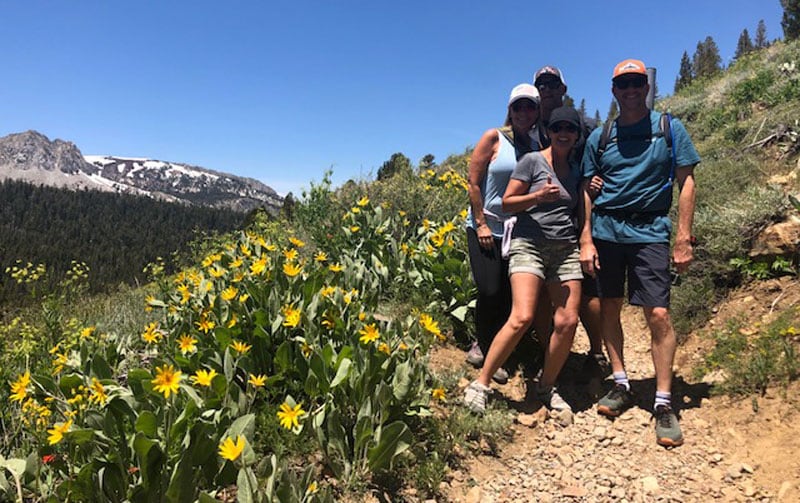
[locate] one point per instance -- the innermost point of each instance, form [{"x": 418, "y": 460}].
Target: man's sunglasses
[
  {"x": 635, "y": 82},
  {"x": 548, "y": 84},
  {"x": 563, "y": 126}
]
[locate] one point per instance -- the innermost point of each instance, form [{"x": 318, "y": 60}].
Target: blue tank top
[{"x": 493, "y": 186}]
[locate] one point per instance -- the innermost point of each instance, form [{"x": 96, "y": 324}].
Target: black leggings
[{"x": 490, "y": 273}]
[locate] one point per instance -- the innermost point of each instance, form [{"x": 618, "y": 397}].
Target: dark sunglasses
[
  {"x": 563, "y": 126},
  {"x": 523, "y": 105},
  {"x": 635, "y": 82},
  {"x": 548, "y": 84}
]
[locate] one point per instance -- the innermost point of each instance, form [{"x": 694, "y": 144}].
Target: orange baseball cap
[{"x": 629, "y": 66}]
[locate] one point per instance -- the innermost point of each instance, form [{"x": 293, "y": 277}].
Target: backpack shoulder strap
[{"x": 605, "y": 137}]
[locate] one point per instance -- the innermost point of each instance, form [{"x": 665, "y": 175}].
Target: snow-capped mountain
[{"x": 31, "y": 156}]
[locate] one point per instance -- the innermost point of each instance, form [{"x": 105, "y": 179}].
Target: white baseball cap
[{"x": 524, "y": 91}]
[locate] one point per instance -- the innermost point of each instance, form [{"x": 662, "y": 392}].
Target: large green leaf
[
  {"x": 342, "y": 372},
  {"x": 147, "y": 423},
  {"x": 393, "y": 439}
]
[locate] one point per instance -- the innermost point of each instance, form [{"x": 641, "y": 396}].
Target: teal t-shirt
[{"x": 636, "y": 167}]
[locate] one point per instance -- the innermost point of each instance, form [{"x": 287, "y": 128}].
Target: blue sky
[{"x": 283, "y": 91}]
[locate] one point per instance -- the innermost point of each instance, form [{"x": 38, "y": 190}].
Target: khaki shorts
[{"x": 550, "y": 260}]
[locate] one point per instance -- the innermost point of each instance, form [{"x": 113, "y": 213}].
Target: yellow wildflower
[
  {"x": 432, "y": 326},
  {"x": 363, "y": 201},
  {"x": 19, "y": 388},
  {"x": 306, "y": 349},
  {"x": 234, "y": 319},
  {"x": 258, "y": 266},
  {"x": 167, "y": 380},
  {"x": 230, "y": 450},
  {"x": 291, "y": 269},
  {"x": 327, "y": 291},
  {"x": 291, "y": 316},
  {"x": 229, "y": 293},
  {"x": 437, "y": 239},
  {"x": 185, "y": 294},
  {"x": 243, "y": 298},
  {"x": 463, "y": 213},
  {"x": 204, "y": 324},
  {"x": 187, "y": 344},
  {"x": 257, "y": 381},
  {"x": 236, "y": 263},
  {"x": 354, "y": 228},
  {"x": 290, "y": 416},
  {"x": 87, "y": 332},
  {"x": 296, "y": 242},
  {"x": 151, "y": 334},
  {"x": 240, "y": 347},
  {"x": 337, "y": 267},
  {"x": 369, "y": 334},
  {"x": 59, "y": 363},
  {"x": 217, "y": 272},
  {"x": 384, "y": 348},
  {"x": 99, "y": 395},
  {"x": 245, "y": 250},
  {"x": 204, "y": 377},
  {"x": 438, "y": 394},
  {"x": 290, "y": 254},
  {"x": 57, "y": 432},
  {"x": 271, "y": 248},
  {"x": 355, "y": 209},
  {"x": 321, "y": 256}
]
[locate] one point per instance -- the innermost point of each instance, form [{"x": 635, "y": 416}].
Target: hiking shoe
[
  {"x": 475, "y": 355},
  {"x": 551, "y": 399},
  {"x": 668, "y": 431},
  {"x": 615, "y": 401},
  {"x": 475, "y": 397},
  {"x": 500, "y": 376}
]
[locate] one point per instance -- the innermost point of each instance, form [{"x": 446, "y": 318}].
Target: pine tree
[
  {"x": 597, "y": 118},
  {"x": 396, "y": 164},
  {"x": 761, "y": 35},
  {"x": 568, "y": 101},
  {"x": 706, "y": 61},
  {"x": 685, "y": 74},
  {"x": 582, "y": 108},
  {"x": 744, "y": 45},
  {"x": 791, "y": 19}
]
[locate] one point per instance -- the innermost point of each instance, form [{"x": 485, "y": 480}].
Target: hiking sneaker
[
  {"x": 615, "y": 401},
  {"x": 500, "y": 376},
  {"x": 551, "y": 399},
  {"x": 475, "y": 397},
  {"x": 668, "y": 431},
  {"x": 475, "y": 355}
]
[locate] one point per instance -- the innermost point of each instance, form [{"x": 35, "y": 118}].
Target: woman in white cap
[
  {"x": 543, "y": 192},
  {"x": 491, "y": 164}
]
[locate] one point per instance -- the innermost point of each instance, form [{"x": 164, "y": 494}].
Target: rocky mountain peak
[{"x": 32, "y": 157}]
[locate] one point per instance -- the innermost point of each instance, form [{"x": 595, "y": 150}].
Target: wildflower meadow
[{"x": 279, "y": 366}]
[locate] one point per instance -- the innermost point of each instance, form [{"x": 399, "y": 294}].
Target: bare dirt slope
[{"x": 744, "y": 449}]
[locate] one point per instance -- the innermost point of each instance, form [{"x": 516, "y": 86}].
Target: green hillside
[
  {"x": 114, "y": 235},
  {"x": 744, "y": 123}
]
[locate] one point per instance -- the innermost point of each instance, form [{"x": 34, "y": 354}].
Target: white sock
[{"x": 622, "y": 378}]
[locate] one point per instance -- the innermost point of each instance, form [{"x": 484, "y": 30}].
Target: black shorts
[{"x": 646, "y": 267}]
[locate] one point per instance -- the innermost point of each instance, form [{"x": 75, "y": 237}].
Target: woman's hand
[
  {"x": 549, "y": 193},
  {"x": 594, "y": 187},
  {"x": 485, "y": 238}
]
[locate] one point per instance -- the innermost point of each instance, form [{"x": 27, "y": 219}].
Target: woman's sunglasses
[
  {"x": 563, "y": 126},
  {"x": 524, "y": 104}
]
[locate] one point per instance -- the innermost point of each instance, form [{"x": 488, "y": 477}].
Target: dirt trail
[{"x": 735, "y": 450}]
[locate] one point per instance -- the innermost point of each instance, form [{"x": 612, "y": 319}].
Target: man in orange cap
[{"x": 628, "y": 234}]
